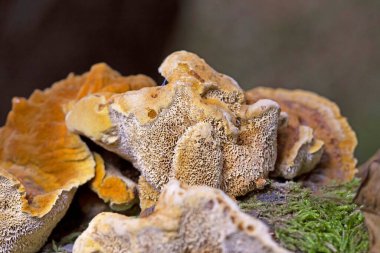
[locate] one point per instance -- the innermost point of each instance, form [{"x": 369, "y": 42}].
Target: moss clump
[{"x": 305, "y": 221}]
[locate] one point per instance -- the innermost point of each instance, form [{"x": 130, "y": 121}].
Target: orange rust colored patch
[
  {"x": 250, "y": 228},
  {"x": 323, "y": 116},
  {"x": 37, "y": 148},
  {"x": 260, "y": 183},
  {"x": 110, "y": 187}
]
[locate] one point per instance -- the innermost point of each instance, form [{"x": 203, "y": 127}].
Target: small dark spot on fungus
[
  {"x": 250, "y": 228},
  {"x": 195, "y": 74},
  {"x": 238, "y": 121},
  {"x": 152, "y": 113},
  {"x": 240, "y": 226},
  {"x": 154, "y": 95},
  {"x": 101, "y": 107},
  {"x": 226, "y": 209},
  {"x": 209, "y": 204}
]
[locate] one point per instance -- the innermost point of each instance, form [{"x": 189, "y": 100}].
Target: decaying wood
[{"x": 368, "y": 197}]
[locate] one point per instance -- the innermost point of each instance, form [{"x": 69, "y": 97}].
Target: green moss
[{"x": 306, "y": 221}]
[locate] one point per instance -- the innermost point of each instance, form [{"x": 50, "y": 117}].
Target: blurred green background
[{"x": 330, "y": 47}]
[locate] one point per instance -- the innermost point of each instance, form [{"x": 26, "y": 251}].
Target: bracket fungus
[
  {"x": 185, "y": 219},
  {"x": 317, "y": 136},
  {"x": 197, "y": 129},
  {"x": 41, "y": 162}
]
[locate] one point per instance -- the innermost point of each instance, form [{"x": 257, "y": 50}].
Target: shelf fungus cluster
[
  {"x": 196, "y": 129},
  {"x": 200, "y": 130},
  {"x": 41, "y": 162},
  {"x": 186, "y": 219},
  {"x": 316, "y": 137}
]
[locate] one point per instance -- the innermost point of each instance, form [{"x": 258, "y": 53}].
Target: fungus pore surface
[
  {"x": 186, "y": 219},
  {"x": 197, "y": 129},
  {"x": 317, "y": 135},
  {"x": 41, "y": 162}
]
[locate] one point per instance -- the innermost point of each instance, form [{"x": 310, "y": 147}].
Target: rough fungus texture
[
  {"x": 148, "y": 196},
  {"x": 20, "y": 231},
  {"x": 317, "y": 135},
  {"x": 196, "y": 129},
  {"x": 186, "y": 219},
  {"x": 41, "y": 162}
]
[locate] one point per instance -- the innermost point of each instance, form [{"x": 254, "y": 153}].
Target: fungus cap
[
  {"x": 197, "y": 129},
  {"x": 185, "y": 219},
  {"x": 297, "y": 155},
  {"x": 20, "y": 231},
  {"x": 44, "y": 158},
  {"x": 329, "y": 126},
  {"x": 189, "y": 68}
]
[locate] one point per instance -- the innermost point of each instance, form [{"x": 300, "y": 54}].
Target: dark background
[{"x": 331, "y": 47}]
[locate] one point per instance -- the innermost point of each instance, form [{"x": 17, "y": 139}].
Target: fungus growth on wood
[
  {"x": 196, "y": 129},
  {"x": 186, "y": 219},
  {"x": 41, "y": 162},
  {"x": 317, "y": 136},
  {"x": 201, "y": 129}
]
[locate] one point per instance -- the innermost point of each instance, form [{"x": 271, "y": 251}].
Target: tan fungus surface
[
  {"x": 186, "y": 219},
  {"x": 41, "y": 162},
  {"x": 196, "y": 129},
  {"x": 329, "y": 128}
]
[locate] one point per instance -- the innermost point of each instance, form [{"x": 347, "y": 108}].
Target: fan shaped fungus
[
  {"x": 315, "y": 123},
  {"x": 186, "y": 219},
  {"x": 197, "y": 129},
  {"x": 41, "y": 162}
]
